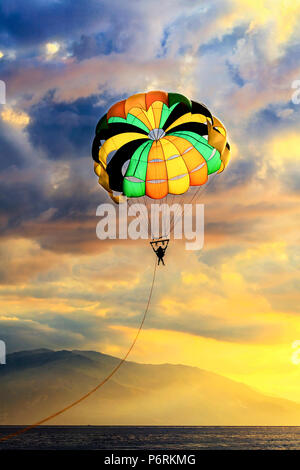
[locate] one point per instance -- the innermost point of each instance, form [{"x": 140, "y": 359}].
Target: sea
[{"x": 153, "y": 438}]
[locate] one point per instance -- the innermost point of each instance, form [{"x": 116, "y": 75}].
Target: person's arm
[{"x": 155, "y": 250}]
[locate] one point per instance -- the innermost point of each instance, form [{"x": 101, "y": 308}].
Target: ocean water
[{"x": 154, "y": 437}]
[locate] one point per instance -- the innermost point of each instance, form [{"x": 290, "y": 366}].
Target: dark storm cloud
[
  {"x": 11, "y": 155},
  {"x": 18, "y": 203},
  {"x": 55, "y": 331},
  {"x": 59, "y": 219},
  {"x": 90, "y": 46},
  {"x": 49, "y": 331},
  {"x": 23, "y": 23},
  {"x": 27, "y": 335},
  {"x": 89, "y": 28},
  {"x": 100, "y": 44},
  {"x": 64, "y": 130}
]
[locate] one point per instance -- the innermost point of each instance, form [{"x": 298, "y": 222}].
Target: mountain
[{"x": 34, "y": 384}]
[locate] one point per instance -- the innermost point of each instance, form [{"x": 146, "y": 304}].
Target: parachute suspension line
[
  {"x": 153, "y": 228},
  {"x": 157, "y": 203},
  {"x": 173, "y": 200},
  {"x": 149, "y": 209},
  {"x": 79, "y": 400},
  {"x": 173, "y": 213},
  {"x": 165, "y": 222},
  {"x": 170, "y": 199},
  {"x": 196, "y": 195},
  {"x": 133, "y": 200},
  {"x": 146, "y": 217},
  {"x": 178, "y": 213}
]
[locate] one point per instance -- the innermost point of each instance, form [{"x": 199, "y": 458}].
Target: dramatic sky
[{"x": 232, "y": 308}]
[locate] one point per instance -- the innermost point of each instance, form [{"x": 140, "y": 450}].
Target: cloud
[
  {"x": 12, "y": 152},
  {"x": 225, "y": 43},
  {"x": 24, "y": 24},
  {"x": 22, "y": 334},
  {"x": 22, "y": 261},
  {"x": 15, "y": 118},
  {"x": 64, "y": 129}
]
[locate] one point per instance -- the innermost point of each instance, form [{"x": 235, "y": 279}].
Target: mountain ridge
[{"x": 36, "y": 383}]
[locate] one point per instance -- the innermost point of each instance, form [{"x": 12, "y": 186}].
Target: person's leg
[
  {"x": 158, "y": 261},
  {"x": 163, "y": 261}
]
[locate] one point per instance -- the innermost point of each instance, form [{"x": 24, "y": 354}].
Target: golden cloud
[{"x": 15, "y": 117}]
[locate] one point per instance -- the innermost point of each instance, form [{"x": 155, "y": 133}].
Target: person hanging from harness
[{"x": 160, "y": 251}]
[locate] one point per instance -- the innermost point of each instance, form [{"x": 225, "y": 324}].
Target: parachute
[{"x": 158, "y": 145}]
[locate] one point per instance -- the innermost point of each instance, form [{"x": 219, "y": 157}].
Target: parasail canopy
[{"x": 157, "y": 143}]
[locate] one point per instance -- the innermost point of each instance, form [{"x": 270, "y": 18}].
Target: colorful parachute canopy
[{"x": 156, "y": 144}]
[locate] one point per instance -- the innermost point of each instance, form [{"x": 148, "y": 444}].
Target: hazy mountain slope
[{"x": 36, "y": 383}]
